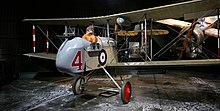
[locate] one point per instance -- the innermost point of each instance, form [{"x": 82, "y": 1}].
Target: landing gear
[
  {"x": 125, "y": 89},
  {"x": 77, "y": 85},
  {"x": 125, "y": 92},
  {"x": 79, "y": 82}
]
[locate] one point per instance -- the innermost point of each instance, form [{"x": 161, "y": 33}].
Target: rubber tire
[
  {"x": 77, "y": 85},
  {"x": 125, "y": 92}
]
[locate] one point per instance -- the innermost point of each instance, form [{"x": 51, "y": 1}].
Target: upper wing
[{"x": 157, "y": 13}]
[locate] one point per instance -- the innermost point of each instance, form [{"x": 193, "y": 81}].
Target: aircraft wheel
[
  {"x": 77, "y": 85},
  {"x": 125, "y": 92}
]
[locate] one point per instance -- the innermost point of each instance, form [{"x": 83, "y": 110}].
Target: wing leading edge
[{"x": 166, "y": 63}]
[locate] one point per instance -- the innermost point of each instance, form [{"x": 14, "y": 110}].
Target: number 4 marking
[{"x": 78, "y": 57}]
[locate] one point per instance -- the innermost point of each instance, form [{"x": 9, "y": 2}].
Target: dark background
[{"x": 16, "y": 35}]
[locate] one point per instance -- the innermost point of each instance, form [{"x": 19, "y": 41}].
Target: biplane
[{"x": 77, "y": 55}]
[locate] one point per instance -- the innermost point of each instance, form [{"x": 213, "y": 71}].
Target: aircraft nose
[{"x": 70, "y": 58}]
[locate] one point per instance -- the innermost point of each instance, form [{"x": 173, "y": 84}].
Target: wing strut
[
  {"x": 47, "y": 42},
  {"x": 108, "y": 34},
  {"x": 145, "y": 37},
  {"x": 165, "y": 48},
  {"x": 109, "y": 75},
  {"x": 151, "y": 40},
  {"x": 47, "y": 37},
  {"x": 218, "y": 34},
  {"x": 34, "y": 39}
]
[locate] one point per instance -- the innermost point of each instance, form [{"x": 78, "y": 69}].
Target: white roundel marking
[{"x": 102, "y": 57}]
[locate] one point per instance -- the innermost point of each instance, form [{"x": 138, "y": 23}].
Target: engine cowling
[{"x": 70, "y": 56}]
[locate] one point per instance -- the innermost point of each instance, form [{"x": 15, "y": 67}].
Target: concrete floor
[{"x": 170, "y": 91}]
